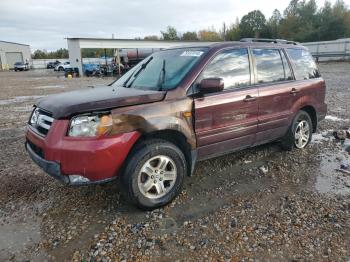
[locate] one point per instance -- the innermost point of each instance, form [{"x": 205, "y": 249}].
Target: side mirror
[{"x": 211, "y": 85}]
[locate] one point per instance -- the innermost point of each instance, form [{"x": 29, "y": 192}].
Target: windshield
[{"x": 163, "y": 70}]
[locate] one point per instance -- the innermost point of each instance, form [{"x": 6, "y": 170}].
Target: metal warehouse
[{"x": 10, "y": 53}]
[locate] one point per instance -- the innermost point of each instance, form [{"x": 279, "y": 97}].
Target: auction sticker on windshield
[{"x": 192, "y": 53}]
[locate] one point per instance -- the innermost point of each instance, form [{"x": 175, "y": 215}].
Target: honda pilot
[{"x": 178, "y": 106}]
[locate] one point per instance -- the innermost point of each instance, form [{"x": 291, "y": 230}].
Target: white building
[
  {"x": 330, "y": 50},
  {"x": 10, "y": 53}
]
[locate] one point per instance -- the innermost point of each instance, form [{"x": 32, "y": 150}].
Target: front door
[{"x": 227, "y": 120}]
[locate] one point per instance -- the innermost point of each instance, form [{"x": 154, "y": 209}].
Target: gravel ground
[{"x": 260, "y": 204}]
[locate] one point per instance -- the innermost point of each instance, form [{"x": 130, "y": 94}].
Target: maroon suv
[{"x": 178, "y": 106}]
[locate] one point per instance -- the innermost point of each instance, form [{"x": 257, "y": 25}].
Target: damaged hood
[{"x": 96, "y": 98}]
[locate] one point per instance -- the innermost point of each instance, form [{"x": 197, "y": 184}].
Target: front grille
[
  {"x": 36, "y": 149},
  {"x": 43, "y": 122}
]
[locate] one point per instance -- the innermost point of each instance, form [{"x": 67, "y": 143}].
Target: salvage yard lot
[{"x": 261, "y": 203}]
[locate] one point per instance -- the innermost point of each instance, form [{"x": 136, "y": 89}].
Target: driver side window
[{"x": 230, "y": 65}]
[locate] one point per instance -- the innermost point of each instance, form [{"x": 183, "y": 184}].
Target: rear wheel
[
  {"x": 60, "y": 68},
  {"x": 299, "y": 133},
  {"x": 154, "y": 174}
]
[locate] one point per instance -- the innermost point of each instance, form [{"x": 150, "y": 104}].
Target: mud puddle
[
  {"x": 328, "y": 180},
  {"x": 335, "y": 118},
  {"x": 319, "y": 138},
  {"x": 17, "y": 237},
  {"x": 24, "y": 109},
  {"x": 18, "y": 99},
  {"x": 49, "y": 87},
  {"x": 20, "y": 228}
]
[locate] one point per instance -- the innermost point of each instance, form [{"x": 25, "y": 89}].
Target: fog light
[{"x": 75, "y": 179}]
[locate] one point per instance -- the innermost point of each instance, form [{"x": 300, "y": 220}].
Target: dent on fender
[{"x": 165, "y": 115}]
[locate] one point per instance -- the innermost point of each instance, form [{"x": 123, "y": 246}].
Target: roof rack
[{"x": 266, "y": 40}]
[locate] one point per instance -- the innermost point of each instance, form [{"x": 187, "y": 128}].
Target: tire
[
  {"x": 293, "y": 139},
  {"x": 60, "y": 68},
  {"x": 143, "y": 174}
]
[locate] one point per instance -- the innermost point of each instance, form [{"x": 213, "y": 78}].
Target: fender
[
  {"x": 165, "y": 115},
  {"x": 312, "y": 95}
]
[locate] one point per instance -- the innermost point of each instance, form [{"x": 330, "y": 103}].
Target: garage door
[{"x": 13, "y": 57}]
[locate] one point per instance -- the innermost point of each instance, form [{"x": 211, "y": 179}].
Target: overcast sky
[{"x": 45, "y": 24}]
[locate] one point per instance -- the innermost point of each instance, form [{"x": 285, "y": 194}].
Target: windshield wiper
[
  {"x": 143, "y": 66},
  {"x": 162, "y": 77}
]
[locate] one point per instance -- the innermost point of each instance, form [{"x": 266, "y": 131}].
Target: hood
[{"x": 96, "y": 98}]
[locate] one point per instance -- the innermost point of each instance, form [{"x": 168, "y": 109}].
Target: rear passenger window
[
  {"x": 232, "y": 66},
  {"x": 269, "y": 65},
  {"x": 305, "y": 66}
]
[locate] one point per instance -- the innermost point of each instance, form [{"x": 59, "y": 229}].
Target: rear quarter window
[{"x": 304, "y": 64}]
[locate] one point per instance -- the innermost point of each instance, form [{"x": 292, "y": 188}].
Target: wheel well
[
  {"x": 175, "y": 137},
  {"x": 312, "y": 113}
]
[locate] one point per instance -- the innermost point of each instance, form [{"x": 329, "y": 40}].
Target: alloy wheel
[
  {"x": 302, "y": 134},
  {"x": 157, "y": 177}
]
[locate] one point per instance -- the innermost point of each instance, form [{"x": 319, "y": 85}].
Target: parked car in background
[
  {"x": 91, "y": 69},
  {"x": 20, "y": 66},
  {"x": 178, "y": 106},
  {"x": 62, "y": 66},
  {"x": 52, "y": 65}
]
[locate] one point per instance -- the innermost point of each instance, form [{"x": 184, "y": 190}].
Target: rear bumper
[{"x": 96, "y": 159}]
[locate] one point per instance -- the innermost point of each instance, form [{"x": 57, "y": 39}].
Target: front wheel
[
  {"x": 299, "y": 133},
  {"x": 154, "y": 174}
]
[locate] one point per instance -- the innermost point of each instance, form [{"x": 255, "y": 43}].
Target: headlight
[
  {"x": 89, "y": 126},
  {"x": 34, "y": 117}
]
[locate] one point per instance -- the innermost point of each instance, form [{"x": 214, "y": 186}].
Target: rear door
[
  {"x": 227, "y": 120},
  {"x": 278, "y": 91}
]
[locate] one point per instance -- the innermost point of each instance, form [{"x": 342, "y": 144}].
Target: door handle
[
  {"x": 294, "y": 91},
  {"x": 249, "y": 98}
]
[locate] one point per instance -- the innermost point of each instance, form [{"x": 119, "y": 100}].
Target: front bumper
[
  {"x": 50, "y": 167},
  {"x": 54, "y": 170},
  {"x": 98, "y": 160}
]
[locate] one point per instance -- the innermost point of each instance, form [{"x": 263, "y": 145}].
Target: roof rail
[{"x": 266, "y": 40}]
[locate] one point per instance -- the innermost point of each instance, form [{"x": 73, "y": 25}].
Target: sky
[{"x": 45, "y": 24}]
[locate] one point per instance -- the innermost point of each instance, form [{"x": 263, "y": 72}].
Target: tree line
[
  {"x": 62, "y": 53},
  {"x": 43, "y": 54},
  {"x": 301, "y": 21}
]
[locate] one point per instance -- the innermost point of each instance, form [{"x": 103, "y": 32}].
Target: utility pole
[{"x": 224, "y": 31}]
